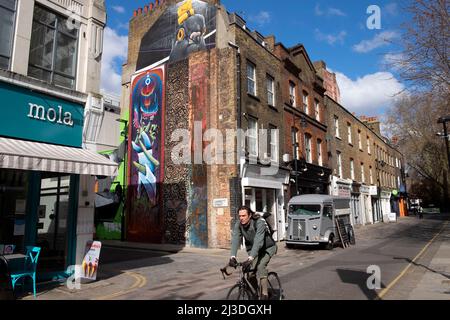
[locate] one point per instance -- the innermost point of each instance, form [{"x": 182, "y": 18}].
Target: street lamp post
[{"x": 444, "y": 121}]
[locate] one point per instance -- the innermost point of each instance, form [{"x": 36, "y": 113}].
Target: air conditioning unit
[{"x": 286, "y": 157}]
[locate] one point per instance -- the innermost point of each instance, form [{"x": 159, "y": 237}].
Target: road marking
[
  {"x": 141, "y": 281},
  {"x": 389, "y": 287}
]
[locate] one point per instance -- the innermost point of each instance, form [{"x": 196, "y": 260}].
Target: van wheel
[
  {"x": 289, "y": 246},
  {"x": 330, "y": 243}
]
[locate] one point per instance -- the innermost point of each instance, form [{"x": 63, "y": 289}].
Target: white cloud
[
  {"x": 371, "y": 94},
  {"x": 115, "y": 48},
  {"x": 262, "y": 18},
  {"x": 119, "y": 9},
  {"x": 382, "y": 39},
  {"x": 329, "y": 11},
  {"x": 331, "y": 39}
]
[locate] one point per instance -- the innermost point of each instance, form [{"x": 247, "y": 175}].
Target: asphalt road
[
  {"x": 305, "y": 273},
  {"x": 343, "y": 274}
]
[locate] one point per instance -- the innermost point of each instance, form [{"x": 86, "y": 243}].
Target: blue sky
[{"x": 333, "y": 31}]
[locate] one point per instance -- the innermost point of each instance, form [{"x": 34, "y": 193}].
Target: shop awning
[{"x": 36, "y": 156}]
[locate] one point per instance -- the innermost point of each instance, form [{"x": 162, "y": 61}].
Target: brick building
[
  {"x": 365, "y": 167},
  {"x": 304, "y": 122},
  {"x": 238, "y": 80}
]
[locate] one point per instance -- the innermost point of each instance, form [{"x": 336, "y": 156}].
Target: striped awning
[{"x": 36, "y": 156}]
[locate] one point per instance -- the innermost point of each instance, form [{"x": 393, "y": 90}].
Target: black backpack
[{"x": 269, "y": 229}]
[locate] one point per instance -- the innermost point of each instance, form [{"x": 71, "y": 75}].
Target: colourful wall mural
[
  {"x": 146, "y": 155},
  {"x": 197, "y": 222},
  {"x": 186, "y": 27}
]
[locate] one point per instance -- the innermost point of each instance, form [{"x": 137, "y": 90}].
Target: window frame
[
  {"x": 319, "y": 152},
  {"x": 336, "y": 127},
  {"x": 249, "y": 80},
  {"x": 305, "y": 102},
  {"x": 317, "y": 109},
  {"x": 12, "y": 38},
  {"x": 349, "y": 133},
  {"x": 352, "y": 169},
  {"x": 274, "y": 155},
  {"x": 293, "y": 94},
  {"x": 59, "y": 19},
  {"x": 272, "y": 80},
  {"x": 308, "y": 148},
  {"x": 339, "y": 163},
  {"x": 363, "y": 173},
  {"x": 252, "y": 137}
]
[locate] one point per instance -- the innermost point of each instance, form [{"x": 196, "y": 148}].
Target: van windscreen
[{"x": 305, "y": 209}]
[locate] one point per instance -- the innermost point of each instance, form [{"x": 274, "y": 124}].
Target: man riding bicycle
[{"x": 259, "y": 244}]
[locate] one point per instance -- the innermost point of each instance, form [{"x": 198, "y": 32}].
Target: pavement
[{"x": 135, "y": 271}]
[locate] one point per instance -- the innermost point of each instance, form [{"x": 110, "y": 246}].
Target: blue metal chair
[{"x": 29, "y": 268}]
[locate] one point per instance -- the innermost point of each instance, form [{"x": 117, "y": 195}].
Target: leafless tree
[
  {"x": 424, "y": 63},
  {"x": 425, "y": 60},
  {"x": 413, "y": 122}
]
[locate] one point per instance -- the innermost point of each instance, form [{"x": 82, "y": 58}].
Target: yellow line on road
[
  {"x": 389, "y": 287},
  {"x": 141, "y": 281}
]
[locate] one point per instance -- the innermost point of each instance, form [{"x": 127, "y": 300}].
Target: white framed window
[
  {"x": 398, "y": 182},
  {"x": 317, "y": 109},
  {"x": 251, "y": 78},
  {"x": 349, "y": 133},
  {"x": 339, "y": 164},
  {"x": 359, "y": 140},
  {"x": 363, "y": 176},
  {"x": 305, "y": 102},
  {"x": 336, "y": 126},
  {"x": 368, "y": 145},
  {"x": 53, "y": 49},
  {"x": 93, "y": 125},
  {"x": 370, "y": 175},
  {"x": 319, "y": 152},
  {"x": 308, "y": 153},
  {"x": 252, "y": 137},
  {"x": 270, "y": 90},
  {"x": 352, "y": 169},
  {"x": 7, "y": 22},
  {"x": 292, "y": 95},
  {"x": 273, "y": 143}
]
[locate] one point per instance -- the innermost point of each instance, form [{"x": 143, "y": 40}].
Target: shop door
[
  {"x": 263, "y": 201},
  {"x": 52, "y": 225}
]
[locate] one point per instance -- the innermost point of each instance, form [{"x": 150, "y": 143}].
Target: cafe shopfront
[{"x": 45, "y": 175}]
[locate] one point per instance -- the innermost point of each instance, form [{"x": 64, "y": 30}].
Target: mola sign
[{"x": 35, "y": 116}]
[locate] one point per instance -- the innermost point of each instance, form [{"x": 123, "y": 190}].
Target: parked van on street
[{"x": 312, "y": 220}]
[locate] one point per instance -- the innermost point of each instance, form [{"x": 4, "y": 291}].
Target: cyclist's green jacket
[{"x": 257, "y": 239}]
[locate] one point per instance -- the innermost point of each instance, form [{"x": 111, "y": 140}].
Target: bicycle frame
[{"x": 244, "y": 281}]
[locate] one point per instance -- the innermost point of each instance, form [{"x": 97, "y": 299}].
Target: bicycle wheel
[
  {"x": 239, "y": 292},
  {"x": 275, "y": 290}
]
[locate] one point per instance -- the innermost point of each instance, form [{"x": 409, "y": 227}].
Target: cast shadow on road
[
  {"x": 358, "y": 278},
  {"x": 444, "y": 274}
]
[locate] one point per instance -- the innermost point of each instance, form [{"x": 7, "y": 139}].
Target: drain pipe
[{"x": 238, "y": 102}]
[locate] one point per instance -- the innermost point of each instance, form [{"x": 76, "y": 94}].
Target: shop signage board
[
  {"x": 34, "y": 116},
  {"x": 90, "y": 263},
  {"x": 220, "y": 203},
  {"x": 344, "y": 190}
]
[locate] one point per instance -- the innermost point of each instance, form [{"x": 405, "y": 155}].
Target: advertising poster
[
  {"x": 89, "y": 266},
  {"x": 185, "y": 27}
]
